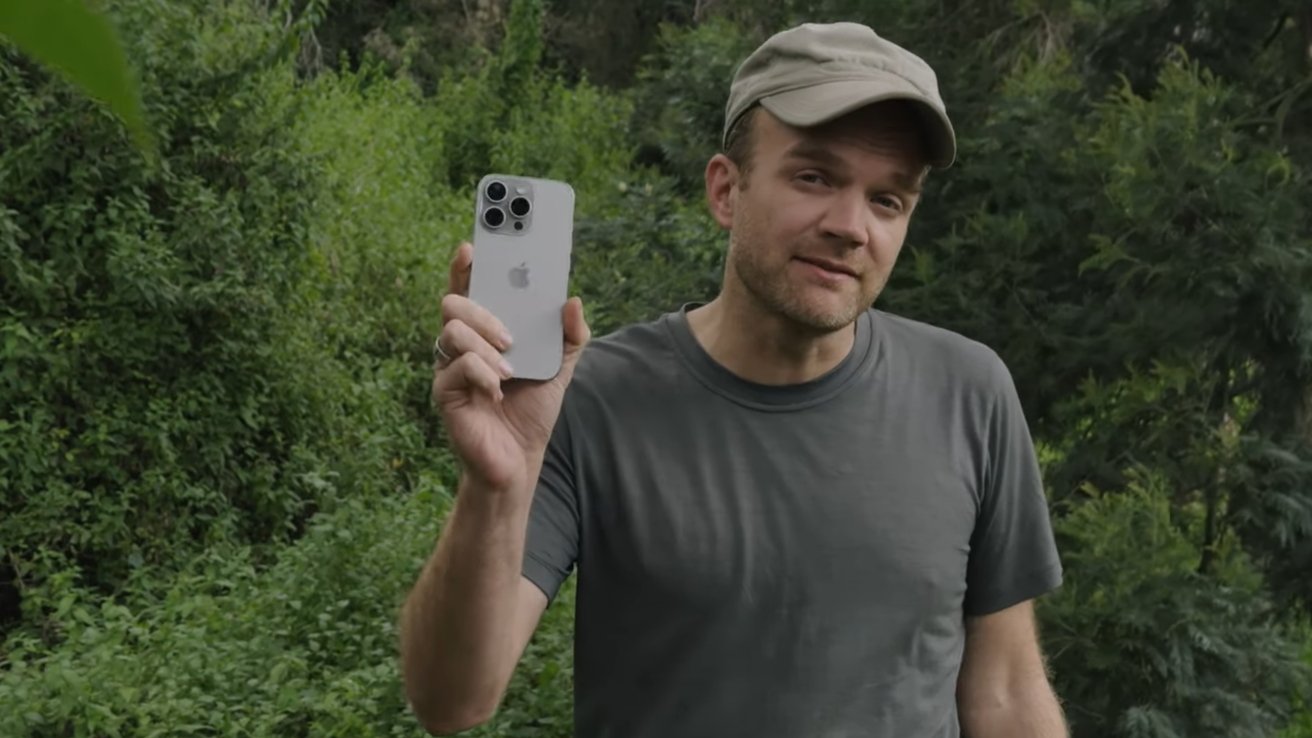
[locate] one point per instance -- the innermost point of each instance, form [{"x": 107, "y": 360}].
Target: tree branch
[
  {"x": 1221, "y": 396},
  {"x": 1275, "y": 32}
]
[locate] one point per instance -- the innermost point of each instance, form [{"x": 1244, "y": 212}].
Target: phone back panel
[{"x": 521, "y": 273}]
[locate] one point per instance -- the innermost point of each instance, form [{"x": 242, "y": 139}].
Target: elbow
[
  {"x": 449, "y": 720},
  {"x": 446, "y": 694},
  {"x": 451, "y": 725},
  {"x": 443, "y": 708}
]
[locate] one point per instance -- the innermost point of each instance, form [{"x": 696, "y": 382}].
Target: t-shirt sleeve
[
  {"x": 1013, "y": 554},
  {"x": 552, "y": 541}
]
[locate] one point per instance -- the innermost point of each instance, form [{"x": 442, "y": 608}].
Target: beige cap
[{"x": 816, "y": 72}]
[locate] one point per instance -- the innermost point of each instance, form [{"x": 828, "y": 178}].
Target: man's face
[{"x": 820, "y": 216}]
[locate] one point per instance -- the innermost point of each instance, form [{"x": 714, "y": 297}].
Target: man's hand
[{"x": 500, "y": 431}]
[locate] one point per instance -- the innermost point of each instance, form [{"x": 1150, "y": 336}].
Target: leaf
[{"x": 80, "y": 43}]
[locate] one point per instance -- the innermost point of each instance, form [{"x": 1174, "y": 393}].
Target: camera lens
[
  {"x": 496, "y": 192},
  {"x": 520, "y": 207},
  {"x": 494, "y": 217}
]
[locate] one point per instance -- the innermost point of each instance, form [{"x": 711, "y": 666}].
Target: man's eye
[
  {"x": 811, "y": 177},
  {"x": 891, "y": 203}
]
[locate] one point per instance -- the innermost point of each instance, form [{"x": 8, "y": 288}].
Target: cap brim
[{"x": 811, "y": 106}]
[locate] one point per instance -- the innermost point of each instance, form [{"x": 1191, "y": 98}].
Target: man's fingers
[
  {"x": 459, "y": 339},
  {"x": 467, "y": 372},
  {"x": 461, "y": 265},
  {"x": 461, "y": 308}
]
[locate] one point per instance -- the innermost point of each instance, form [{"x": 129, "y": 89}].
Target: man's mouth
[{"x": 828, "y": 265}]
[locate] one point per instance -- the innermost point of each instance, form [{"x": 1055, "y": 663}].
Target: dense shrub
[
  {"x": 1301, "y": 725},
  {"x": 681, "y": 89},
  {"x": 1143, "y": 646},
  {"x": 648, "y": 253},
  {"x": 158, "y": 393},
  {"x": 304, "y": 647}
]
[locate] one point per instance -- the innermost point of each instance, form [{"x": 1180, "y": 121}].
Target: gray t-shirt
[{"x": 785, "y": 561}]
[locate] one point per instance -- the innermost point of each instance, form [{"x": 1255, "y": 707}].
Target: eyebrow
[{"x": 811, "y": 151}]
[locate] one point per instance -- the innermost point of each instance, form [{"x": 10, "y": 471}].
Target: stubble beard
[{"x": 779, "y": 295}]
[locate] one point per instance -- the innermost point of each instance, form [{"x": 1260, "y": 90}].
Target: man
[{"x": 792, "y": 514}]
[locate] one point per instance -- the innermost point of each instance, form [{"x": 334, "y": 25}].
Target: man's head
[{"x": 829, "y": 132}]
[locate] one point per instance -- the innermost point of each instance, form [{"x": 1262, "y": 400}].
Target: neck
[{"x": 764, "y": 347}]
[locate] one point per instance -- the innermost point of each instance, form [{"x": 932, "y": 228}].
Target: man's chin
[
  {"x": 812, "y": 310},
  {"x": 822, "y": 319}
]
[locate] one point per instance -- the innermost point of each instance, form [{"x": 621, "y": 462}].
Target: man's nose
[{"x": 846, "y": 217}]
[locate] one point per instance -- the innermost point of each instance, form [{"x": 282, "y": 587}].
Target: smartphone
[{"x": 523, "y": 239}]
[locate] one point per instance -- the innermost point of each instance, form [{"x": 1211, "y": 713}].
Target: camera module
[
  {"x": 496, "y": 191},
  {"x": 520, "y": 206},
  {"x": 494, "y": 217}
]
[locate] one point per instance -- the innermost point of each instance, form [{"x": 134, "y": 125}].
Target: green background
[{"x": 224, "y": 228}]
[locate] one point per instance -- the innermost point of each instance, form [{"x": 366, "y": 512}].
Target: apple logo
[{"x": 519, "y": 276}]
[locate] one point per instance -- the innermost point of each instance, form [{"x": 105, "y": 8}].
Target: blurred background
[{"x": 219, "y": 472}]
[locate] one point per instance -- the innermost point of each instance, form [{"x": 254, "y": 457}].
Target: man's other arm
[{"x": 1003, "y": 689}]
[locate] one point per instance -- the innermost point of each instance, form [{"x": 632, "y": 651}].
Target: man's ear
[{"x": 722, "y": 188}]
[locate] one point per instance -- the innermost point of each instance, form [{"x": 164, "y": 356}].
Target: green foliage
[
  {"x": 1143, "y": 646},
  {"x": 145, "y": 361},
  {"x": 221, "y": 470},
  {"x": 477, "y": 106},
  {"x": 380, "y": 235},
  {"x": 521, "y": 48},
  {"x": 682, "y": 88},
  {"x": 82, "y": 44},
  {"x": 306, "y": 646},
  {"x": 543, "y": 131},
  {"x": 647, "y": 253},
  {"x": 1200, "y": 254},
  {"x": 1301, "y": 725},
  {"x": 164, "y": 387}
]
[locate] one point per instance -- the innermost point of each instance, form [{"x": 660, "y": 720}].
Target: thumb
[
  {"x": 577, "y": 335},
  {"x": 577, "y": 332}
]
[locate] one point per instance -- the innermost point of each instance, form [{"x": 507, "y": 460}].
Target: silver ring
[{"x": 439, "y": 355}]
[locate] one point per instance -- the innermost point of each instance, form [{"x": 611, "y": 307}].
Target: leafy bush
[
  {"x": 304, "y": 647},
  {"x": 166, "y": 380},
  {"x": 543, "y": 132},
  {"x": 1301, "y": 724},
  {"x": 646, "y": 253},
  {"x": 681, "y": 91},
  {"x": 1143, "y": 646},
  {"x": 152, "y": 394},
  {"x": 380, "y": 236}
]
